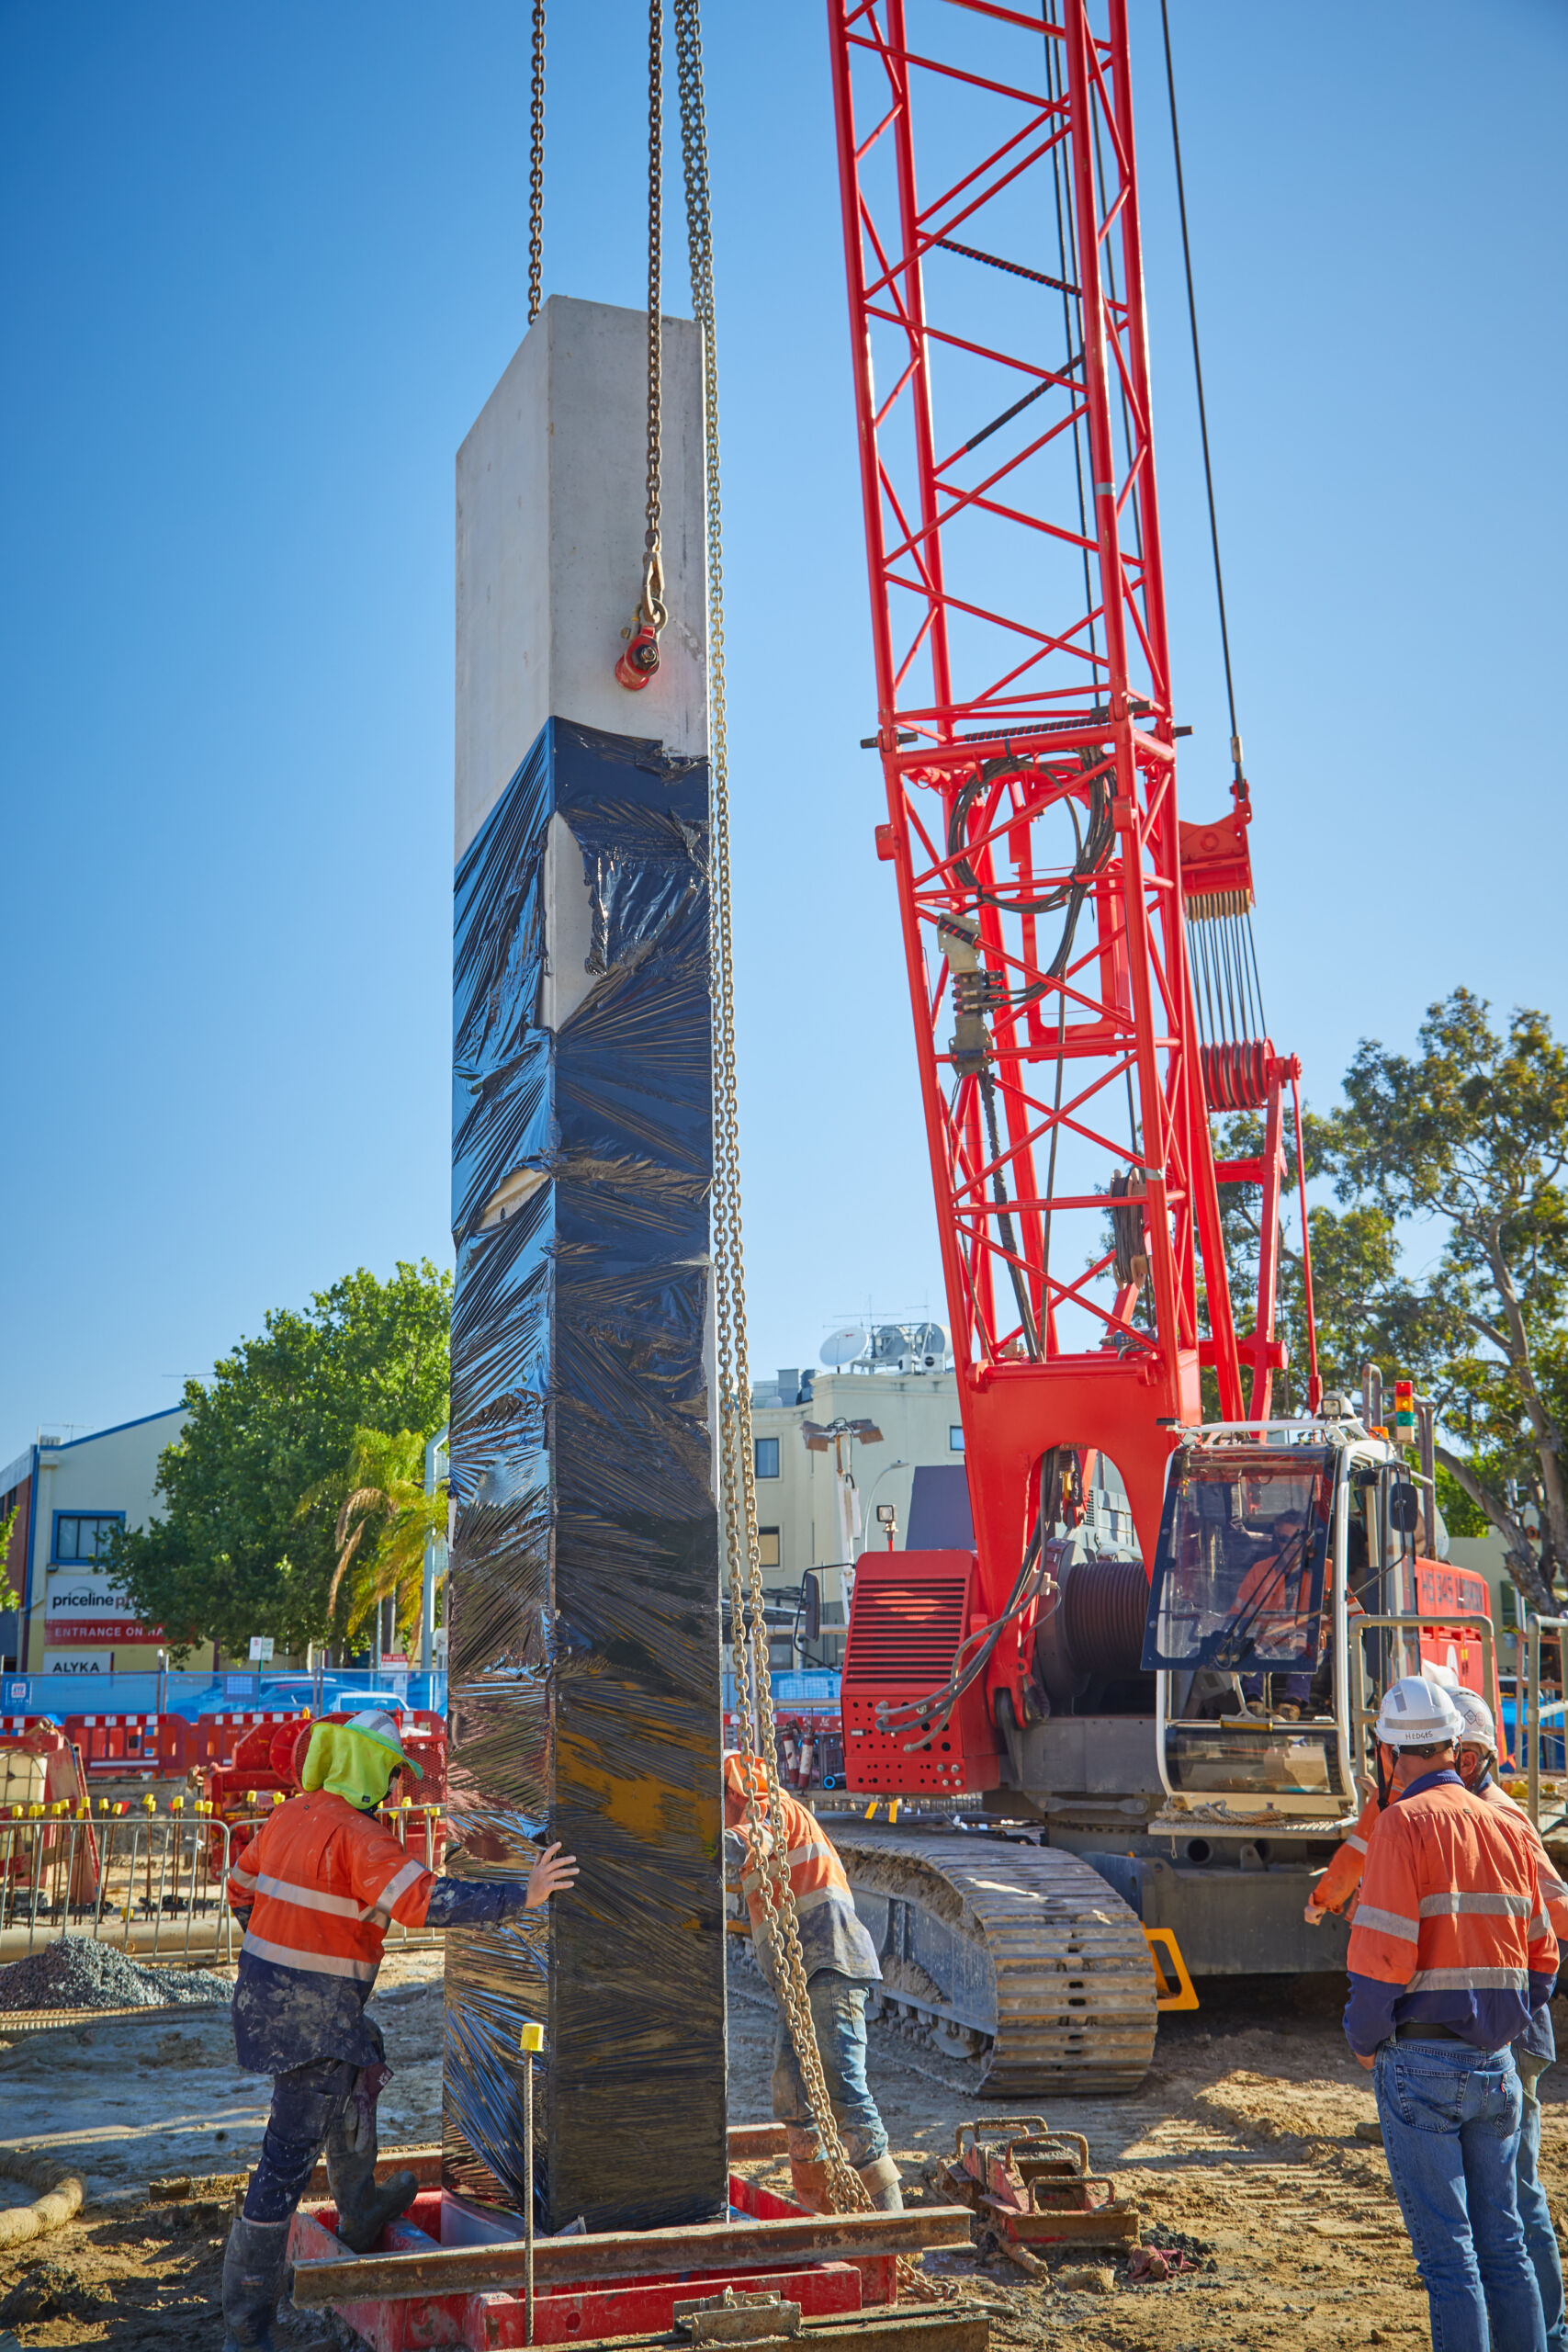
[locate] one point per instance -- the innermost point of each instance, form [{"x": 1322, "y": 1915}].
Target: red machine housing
[
  {"x": 1441, "y": 1586},
  {"x": 911, "y": 1614}
]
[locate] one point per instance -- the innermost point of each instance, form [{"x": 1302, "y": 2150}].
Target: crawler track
[{"x": 1024, "y": 1951}]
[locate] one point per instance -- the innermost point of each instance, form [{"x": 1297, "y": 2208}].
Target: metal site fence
[
  {"x": 153, "y": 1884},
  {"x": 178, "y": 1691}
]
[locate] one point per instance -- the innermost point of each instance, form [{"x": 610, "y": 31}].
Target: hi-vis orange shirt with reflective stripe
[
  {"x": 313, "y": 1876},
  {"x": 1343, "y": 1876},
  {"x": 816, "y": 1873},
  {"x": 1451, "y": 1905}
]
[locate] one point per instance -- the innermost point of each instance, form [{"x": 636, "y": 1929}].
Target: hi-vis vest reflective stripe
[
  {"x": 313, "y": 1875},
  {"x": 1451, "y": 1899},
  {"x": 816, "y": 1873}
]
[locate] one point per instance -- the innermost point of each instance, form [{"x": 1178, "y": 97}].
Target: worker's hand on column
[
  {"x": 1315, "y": 1914},
  {"x": 553, "y": 1870}
]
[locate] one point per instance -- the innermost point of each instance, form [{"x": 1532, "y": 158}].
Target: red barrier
[{"x": 152, "y": 1747}]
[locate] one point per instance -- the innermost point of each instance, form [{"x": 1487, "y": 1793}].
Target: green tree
[
  {"x": 1470, "y": 1136},
  {"x": 9, "y": 1597},
  {"x": 1467, "y": 1138},
  {"x": 233, "y": 1552}
]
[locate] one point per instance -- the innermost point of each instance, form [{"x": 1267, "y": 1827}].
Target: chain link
[
  {"x": 653, "y": 608},
  {"x": 756, "y": 1738},
  {"x": 536, "y": 167}
]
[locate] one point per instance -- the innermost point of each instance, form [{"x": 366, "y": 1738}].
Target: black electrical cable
[
  {"x": 1198, "y": 378},
  {"x": 1091, "y": 850},
  {"x": 935, "y": 1709},
  {"x": 1004, "y": 1220}
]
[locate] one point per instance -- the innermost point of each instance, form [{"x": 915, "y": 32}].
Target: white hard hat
[
  {"x": 1478, "y": 1730},
  {"x": 1416, "y": 1713},
  {"x": 1444, "y": 1677}
]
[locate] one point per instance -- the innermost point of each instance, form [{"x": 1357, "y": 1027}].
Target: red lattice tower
[{"x": 1025, "y": 727}]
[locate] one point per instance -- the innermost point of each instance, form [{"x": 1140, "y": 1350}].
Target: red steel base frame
[{"x": 569, "y": 2314}]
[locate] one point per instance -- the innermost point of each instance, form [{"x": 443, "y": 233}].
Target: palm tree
[{"x": 384, "y": 1524}]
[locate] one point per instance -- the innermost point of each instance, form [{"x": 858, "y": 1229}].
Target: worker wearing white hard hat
[
  {"x": 1536, "y": 2049},
  {"x": 1451, "y": 1955},
  {"x": 1340, "y": 1883}
]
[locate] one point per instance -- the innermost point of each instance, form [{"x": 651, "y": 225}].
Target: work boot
[
  {"x": 255, "y": 2261},
  {"x": 364, "y": 2208},
  {"x": 808, "y": 2184},
  {"x": 882, "y": 2185}
]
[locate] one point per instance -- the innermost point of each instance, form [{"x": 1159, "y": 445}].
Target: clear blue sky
[{"x": 263, "y": 266}]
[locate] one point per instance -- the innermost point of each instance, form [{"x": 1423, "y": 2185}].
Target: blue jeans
[
  {"x": 306, "y": 2103},
  {"x": 1450, "y": 2119},
  {"x": 1539, "y": 2236},
  {"x": 838, "y": 2012}
]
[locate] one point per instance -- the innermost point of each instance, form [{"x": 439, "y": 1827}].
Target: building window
[
  {"x": 768, "y": 1546},
  {"x": 955, "y": 1438},
  {"x": 83, "y": 1537},
  {"x": 765, "y": 1455}
]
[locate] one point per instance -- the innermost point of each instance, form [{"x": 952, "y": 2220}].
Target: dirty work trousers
[
  {"x": 306, "y": 2103},
  {"x": 1540, "y": 2238},
  {"x": 1450, "y": 2119},
  {"x": 837, "y": 2011}
]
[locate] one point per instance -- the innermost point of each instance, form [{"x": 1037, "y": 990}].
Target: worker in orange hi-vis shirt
[
  {"x": 315, "y": 1891},
  {"x": 1341, "y": 1880},
  {"x": 1450, "y": 1957},
  {"x": 841, "y": 1965}
]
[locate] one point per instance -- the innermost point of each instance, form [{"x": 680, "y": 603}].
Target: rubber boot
[
  {"x": 808, "y": 2184},
  {"x": 255, "y": 2261},
  {"x": 363, "y": 2208},
  {"x": 882, "y": 2185}
]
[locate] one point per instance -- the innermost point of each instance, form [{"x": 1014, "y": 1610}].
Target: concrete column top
[{"x": 551, "y": 498}]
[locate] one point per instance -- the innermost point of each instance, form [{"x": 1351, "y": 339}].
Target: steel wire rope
[
  {"x": 536, "y": 165},
  {"x": 764, "y": 1827}
]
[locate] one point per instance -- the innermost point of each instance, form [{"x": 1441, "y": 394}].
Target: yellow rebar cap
[{"x": 531, "y": 2038}]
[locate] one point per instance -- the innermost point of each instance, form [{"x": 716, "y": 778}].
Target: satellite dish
[
  {"x": 845, "y": 1345},
  {"x": 888, "y": 1343},
  {"x": 929, "y": 1340}
]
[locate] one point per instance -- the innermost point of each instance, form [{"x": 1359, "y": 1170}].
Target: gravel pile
[{"x": 77, "y": 1973}]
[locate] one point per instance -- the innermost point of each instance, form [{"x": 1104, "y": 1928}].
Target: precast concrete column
[{"x": 583, "y": 1643}]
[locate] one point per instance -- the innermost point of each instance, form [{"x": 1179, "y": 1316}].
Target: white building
[
  {"x": 70, "y": 1497},
  {"x": 817, "y": 1501}
]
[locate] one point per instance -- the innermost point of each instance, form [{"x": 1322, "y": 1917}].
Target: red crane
[{"x": 1073, "y": 1034}]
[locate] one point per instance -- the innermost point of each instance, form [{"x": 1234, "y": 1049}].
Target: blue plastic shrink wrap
[{"x": 583, "y": 1601}]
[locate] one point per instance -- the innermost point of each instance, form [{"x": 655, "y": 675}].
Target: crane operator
[
  {"x": 315, "y": 1891},
  {"x": 1274, "y": 1599},
  {"x": 841, "y": 1964}
]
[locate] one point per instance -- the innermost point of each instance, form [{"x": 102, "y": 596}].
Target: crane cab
[{"x": 1273, "y": 1543}]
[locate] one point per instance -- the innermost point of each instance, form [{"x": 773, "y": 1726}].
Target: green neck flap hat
[{"x": 355, "y": 1760}]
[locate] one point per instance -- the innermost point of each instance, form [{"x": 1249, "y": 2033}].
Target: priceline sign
[{"x": 81, "y": 1605}]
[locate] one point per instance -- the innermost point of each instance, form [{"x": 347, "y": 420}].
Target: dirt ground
[{"x": 1241, "y": 2143}]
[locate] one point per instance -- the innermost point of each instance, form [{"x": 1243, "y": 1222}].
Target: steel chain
[
  {"x": 653, "y": 608},
  {"x": 536, "y": 167},
  {"x": 756, "y": 1738}
]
